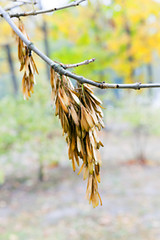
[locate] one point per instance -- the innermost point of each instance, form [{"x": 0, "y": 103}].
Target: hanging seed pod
[
  {"x": 27, "y": 64},
  {"x": 78, "y": 111},
  {"x": 90, "y": 107}
]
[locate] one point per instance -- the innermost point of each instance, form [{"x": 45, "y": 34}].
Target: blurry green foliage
[{"x": 30, "y": 122}]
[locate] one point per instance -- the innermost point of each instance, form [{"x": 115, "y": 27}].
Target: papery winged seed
[
  {"x": 24, "y": 89},
  {"x": 89, "y": 118},
  {"x": 26, "y": 64},
  {"x": 97, "y": 169},
  {"x": 73, "y": 164},
  {"x": 95, "y": 155},
  {"x": 30, "y": 66},
  {"x": 62, "y": 119},
  {"x": 69, "y": 83},
  {"x": 29, "y": 95},
  {"x": 99, "y": 126},
  {"x": 23, "y": 80},
  {"x": 83, "y": 134},
  {"x": 21, "y": 28},
  {"x": 69, "y": 150},
  {"x": 95, "y": 135},
  {"x": 78, "y": 131},
  {"x": 20, "y": 49},
  {"x": 60, "y": 111},
  {"x": 62, "y": 103},
  {"x": 22, "y": 66},
  {"x": 99, "y": 198},
  {"x": 87, "y": 103},
  {"x": 76, "y": 157},
  {"x": 101, "y": 123},
  {"x": 66, "y": 123},
  {"x": 52, "y": 74},
  {"x": 89, "y": 152},
  {"x": 95, "y": 200},
  {"x": 74, "y": 115},
  {"x": 79, "y": 146},
  {"x": 99, "y": 111},
  {"x": 98, "y": 178},
  {"x": 95, "y": 99},
  {"x": 80, "y": 155},
  {"x": 76, "y": 99},
  {"x": 84, "y": 123},
  {"x": 94, "y": 116},
  {"x": 85, "y": 173},
  {"x": 81, "y": 168},
  {"x": 92, "y": 141},
  {"x": 64, "y": 79},
  {"x": 31, "y": 88},
  {"x": 67, "y": 141},
  {"x": 87, "y": 88},
  {"x": 55, "y": 82},
  {"x": 99, "y": 144},
  {"x": 31, "y": 81},
  {"x": 74, "y": 92},
  {"x": 89, "y": 186},
  {"x": 52, "y": 95},
  {"x": 66, "y": 99},
  {"x": 91, "y": 195},
  {"x": 57, "y": 106},
  {"x": 90, "y": 167},
  {"x": 73, "y": 143},
  {"x": 34, "y": 65},
  {"x": 84, "y": 157},
  {"x": 95, "y": 184}
]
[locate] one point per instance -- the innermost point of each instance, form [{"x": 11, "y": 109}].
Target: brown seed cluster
[
  {"x": 27, "y": 63},
  {"x": 80, "y": 113}
]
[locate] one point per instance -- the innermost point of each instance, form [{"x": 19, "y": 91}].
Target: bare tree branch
[
  {"x": 65, "y": 66},
  {"x": 34, "y": 13},
  {"x": 59, "y": 69}
]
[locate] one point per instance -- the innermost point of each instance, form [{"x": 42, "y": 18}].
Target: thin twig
[
  {"x": 65, "y": 66},
  {"x": 23, "y": 1},
  {"x": 19, "y": 5},
  {"x": 59, "y": 69},
  {"x": 34, "y": 13}
]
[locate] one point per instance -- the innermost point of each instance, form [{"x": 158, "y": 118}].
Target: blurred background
[{"x": 40, "y": 196}]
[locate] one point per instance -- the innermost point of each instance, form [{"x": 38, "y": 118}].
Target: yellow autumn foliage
[{"x": 6, "y": 33}]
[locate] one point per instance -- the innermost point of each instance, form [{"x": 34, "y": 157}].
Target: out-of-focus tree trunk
[
  {"x": 46, "y": 45},
  {"x": 11, "y": 66},
  {"x": 46, "y": 42}
]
